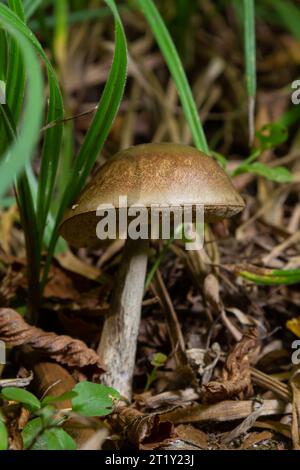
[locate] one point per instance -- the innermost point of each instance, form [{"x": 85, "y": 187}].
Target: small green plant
[
  {"x": 44, "y": 429},
  {"x": 269, "y": 137},
  {"x": 158, "y": 361}
]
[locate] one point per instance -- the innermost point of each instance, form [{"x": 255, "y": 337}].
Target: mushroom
[{"x": 151, "y": 174}]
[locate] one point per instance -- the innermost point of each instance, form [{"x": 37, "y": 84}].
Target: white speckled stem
[{"x": 117, "y": 348}]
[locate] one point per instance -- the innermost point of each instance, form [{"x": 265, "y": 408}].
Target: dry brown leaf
[
  {"x": 60, "y": 286},
  {"x": 211, "y": 290},
  {"x": 235, "y": 381},
  {"x": 7, "y": 221},
  {"x": 9, "y": 286},
  {"x": 191, "y": 435},
  {"x": 255, "y": 438},
  {"x": 276, "y": 426},
  {"x": 72, "y": 263},
  {"x": 169, "y": 398},
  {"x": 224, "y": 411},
  {"x": 96, "y": 441},
  {"x": 139, "y": 428},
  {"x": 295, "y": 384},
  {"x": 14, "y": 331},
  {"x": 246, "y": 424}
]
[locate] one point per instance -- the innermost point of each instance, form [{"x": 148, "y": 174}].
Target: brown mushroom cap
[{"x": 149, "y": 174}]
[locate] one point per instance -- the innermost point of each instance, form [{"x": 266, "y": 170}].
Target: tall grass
[
  {"x": 250, "y": 58},
  {"x": 174, "y": 63},
  {"x": 34, "y": 197}
]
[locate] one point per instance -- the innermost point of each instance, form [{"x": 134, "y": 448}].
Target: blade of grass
[
  {"x": 60, "y": 32},
  {"x": 23, "y": 190},
  {"x": 270, "y": 277},
  {"x": 99, "y": 129},
  {"x": 29, "y": 223},
  {"x": 16, "y": 72},
  {"x": 30, "y": 7},
  {"x": 74, "y": 17},
  {"x": 20, "y": 152},
  {"x": 3, "y": 81},
  {"x": 171, "y": 56},
  {"x": 289, "y": 15},
  {"x": 250, "y": 56},
  {"x": 53, "y": 136},
  {"x": 61, "y": 246}
]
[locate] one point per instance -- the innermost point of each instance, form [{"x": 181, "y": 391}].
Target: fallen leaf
[
  {"x": 14, "y": 331},
  {"x": 246, "y": 425},
  {"x": 72, "y": 263},
  {"x": 139, "y": 428},
  {"x": 276, "y": 426},
  {"x": 255, "y": 438},
  {"x": 235, "y": 380},
  {"x": 295, "y": 384},
  {"x": 191, "y": 435},
  {"x": 228, "y": 410}
]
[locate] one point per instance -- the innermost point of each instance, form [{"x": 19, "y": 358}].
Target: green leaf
[
  {"x": 31, "y": 431},
  {"x": 272, "y": 135},
  {"x": 278, "y": 174},
  {"x": 94, "y": 399},
  {"x": 50, "y": 439},
  {"x": 171, "y": 56},
  {"x": 65, "y": 397},
  {"x": 159, "y": 360},
  {"x": 21, "y": 396},
  {"x": 3, "y": 436},
  {"x": 58, "y": 439}
]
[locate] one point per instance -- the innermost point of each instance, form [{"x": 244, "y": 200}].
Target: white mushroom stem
[{"x": 117, "y": 348}]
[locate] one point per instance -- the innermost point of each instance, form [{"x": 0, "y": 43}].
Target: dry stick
[
  {"x": 227, "y": 410},
  {"x": 175, "y": 333},
  {"x": 18, "y": 383},
  {"x": 118, "y": 342},
  {"x": 269, "y": 383}
]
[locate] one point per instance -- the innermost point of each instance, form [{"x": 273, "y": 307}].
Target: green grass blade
[
  {"x": 53, "y": 136},
  {"x": 75, "y": 17},
  {"x": 289, "y": 15},
  {"x": 270, "y": 277},
  {"x": 51, "y": 153},
  {"x": 28, "y": 219},
  {"x": 16, "y": 72},
  {"x": 99, "y": 129},
  {"x": 21, "y": 151},
  {"x": 171, "y": 56},
  {"x": 30, "y": 7},
  {"x": 23, "y": 190},
  {"x": 250, "y": 56}
]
